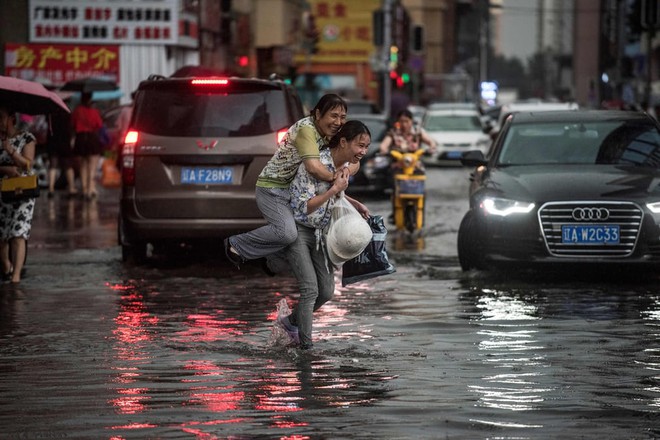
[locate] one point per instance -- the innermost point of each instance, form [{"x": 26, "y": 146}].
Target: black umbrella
[{"x": 89, "y": 84}]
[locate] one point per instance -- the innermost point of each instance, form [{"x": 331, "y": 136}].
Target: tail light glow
[
  {"x": 280, "y": 135},
  {"x": 128, "y": 158},
  {"x": 210, "y": 82}
]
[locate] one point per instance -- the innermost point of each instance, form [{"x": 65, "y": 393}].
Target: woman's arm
[
  {"x": 361, "y": 207},
  {"x": 339, "y": 185},
  {"x": 21, "y": 159}
]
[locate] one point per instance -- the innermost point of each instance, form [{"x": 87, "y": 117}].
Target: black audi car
[{"x": 572, "y": 187}]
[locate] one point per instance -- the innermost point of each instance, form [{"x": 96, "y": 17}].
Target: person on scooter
[{"x": 406, "y": 137}]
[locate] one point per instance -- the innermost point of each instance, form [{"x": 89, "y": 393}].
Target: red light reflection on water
[
  {"x": 215, "y": 398},
  {"x": 132, "y": 322},
  {"x": 207, "y": 328},
  {"x": 133, "y": 402},
  {"x": 132, "y": 335},
  {"x": 135, "y": 426}
]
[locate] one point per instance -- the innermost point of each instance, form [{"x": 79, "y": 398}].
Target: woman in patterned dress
[{"x": 16, "y": 156}]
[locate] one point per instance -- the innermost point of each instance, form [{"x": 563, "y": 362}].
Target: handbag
[
  {"x": 104, "y": 136},
  {"x": 13, "y": 189},
  {"x": 373, "y": 261}
]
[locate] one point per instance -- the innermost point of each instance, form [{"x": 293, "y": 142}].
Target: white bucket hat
[{"x": 347, "y": 238}]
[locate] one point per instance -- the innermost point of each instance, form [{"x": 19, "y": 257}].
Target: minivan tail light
[
  {"x": 128, "y": 158},
  {"x": 280, "y": 135}
]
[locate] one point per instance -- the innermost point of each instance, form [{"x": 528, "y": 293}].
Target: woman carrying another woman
[
  {"x": 301, "y": 144},
  {"x": 16, "y": 157},
  {"x": 312, "y": 200}
]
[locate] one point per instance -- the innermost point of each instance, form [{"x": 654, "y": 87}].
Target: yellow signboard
[{"x": 345, "y": 31}]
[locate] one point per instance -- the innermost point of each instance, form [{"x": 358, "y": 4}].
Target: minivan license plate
[
  {"x": 207, "y": 176},
  {"x": 590, "y": 234}
]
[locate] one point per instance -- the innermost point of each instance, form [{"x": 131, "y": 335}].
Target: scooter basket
[{"x": 410, "y": 185}]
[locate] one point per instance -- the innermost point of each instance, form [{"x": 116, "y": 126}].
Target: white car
[
  {"x": 455, "y": 132},
  {"x": 532, "y": 106}
]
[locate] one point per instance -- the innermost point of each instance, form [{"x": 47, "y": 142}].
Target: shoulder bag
[{"x": 19, "y": 188}]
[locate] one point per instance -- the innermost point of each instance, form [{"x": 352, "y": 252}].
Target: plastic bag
[
  {"x": 373, "y": 261},
  {"x": 342, "y": 208},
  {"x": 348, "y": 232}
]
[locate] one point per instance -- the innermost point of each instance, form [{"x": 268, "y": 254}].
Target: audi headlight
[
  {"x": 654, "y": 207},
  {"x": 504, "y": 207}
]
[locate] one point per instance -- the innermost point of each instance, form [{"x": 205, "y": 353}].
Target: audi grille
[{"x": 554, "y": 215}]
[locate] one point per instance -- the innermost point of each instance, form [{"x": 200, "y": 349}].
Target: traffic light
[{"x": 394, "y": 57}]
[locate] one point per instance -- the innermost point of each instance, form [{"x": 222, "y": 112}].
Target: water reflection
[
  {"x": 405, "y": 241},
  {"x": 652, "y": 363},
  {"x": 79, "y": 223},
  {"x": 510, "y": 346},
  {"x": 209, "y": 351}
]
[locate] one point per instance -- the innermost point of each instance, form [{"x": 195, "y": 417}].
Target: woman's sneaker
[{"x": 289, "y": 328}]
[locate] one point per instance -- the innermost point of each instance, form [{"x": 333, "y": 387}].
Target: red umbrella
[{"x": 29, "y": 97}]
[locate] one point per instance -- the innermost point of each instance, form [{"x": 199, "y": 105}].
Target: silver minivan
[{"x": 191, "y": 158}]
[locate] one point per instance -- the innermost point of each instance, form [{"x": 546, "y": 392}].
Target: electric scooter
[{"x": 409, "y": 192}]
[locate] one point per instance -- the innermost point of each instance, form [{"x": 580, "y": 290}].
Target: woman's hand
[
  {"x": 9, "y": 171},
  {"x": 341, "y": 181},
  {"x": 343, "y": 170}
]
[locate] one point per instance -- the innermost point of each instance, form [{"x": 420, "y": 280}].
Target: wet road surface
[{"x": 91, "y": 348}]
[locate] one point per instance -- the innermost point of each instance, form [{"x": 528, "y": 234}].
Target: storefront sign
[
  {"x": 59, "y": 63},
  {"x": 345, "y": 30},
  {"x": 116, "y": 22}
]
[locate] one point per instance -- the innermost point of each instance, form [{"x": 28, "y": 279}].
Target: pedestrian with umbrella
[
  {"x": 16, "y": 156},
  {"x": 17, "y": 150}
]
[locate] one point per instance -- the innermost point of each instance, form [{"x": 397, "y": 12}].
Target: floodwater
[{"x": 183, "y": 348}]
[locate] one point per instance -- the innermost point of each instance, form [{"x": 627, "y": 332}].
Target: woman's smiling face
[
  {"x": 329, "y": 123},
  {"x": 355, "y": 149}
]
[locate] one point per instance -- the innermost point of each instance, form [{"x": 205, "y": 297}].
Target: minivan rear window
[{"x": 226, "y": 114}]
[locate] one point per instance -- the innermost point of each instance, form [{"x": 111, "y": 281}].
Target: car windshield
[
  {"x": 603, "y": 142},
  {"x": 236, "y": 114},
  {"x": 452, "y": 123}
]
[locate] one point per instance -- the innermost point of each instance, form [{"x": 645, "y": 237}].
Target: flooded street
[{"x": 91, "y": 348}]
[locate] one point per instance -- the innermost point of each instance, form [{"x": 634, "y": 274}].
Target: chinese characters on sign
[
  {"x": 60, "y": 63},
  {"x": 345, "y": 28},
  {"x": 121, "y": 22}
]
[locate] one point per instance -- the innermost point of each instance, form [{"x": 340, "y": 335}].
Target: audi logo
[{"x": 587, "y": 214}]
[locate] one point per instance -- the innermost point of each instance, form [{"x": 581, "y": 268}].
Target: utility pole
[{"x": 385, "y": 56}]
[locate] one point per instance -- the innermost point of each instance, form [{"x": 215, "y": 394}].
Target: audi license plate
[
  {"x": 207, "y": 176},
  {"x": 590, "y": 234}
]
